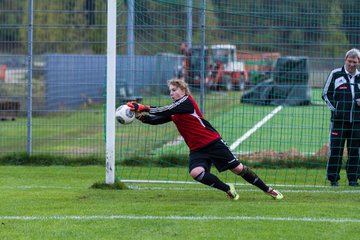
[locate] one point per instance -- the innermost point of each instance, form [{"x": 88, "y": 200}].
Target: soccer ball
[{"x": 124, "y": 115}]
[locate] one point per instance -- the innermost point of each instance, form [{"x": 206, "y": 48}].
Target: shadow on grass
[{"x": 117, "y": 185}]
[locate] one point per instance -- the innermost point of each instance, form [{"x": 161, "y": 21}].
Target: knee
[
  {"x": 238, "y": 169},
  {"x": 196, "y": 172}
]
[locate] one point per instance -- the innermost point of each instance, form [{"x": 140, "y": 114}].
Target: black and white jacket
[{"x": 341, "y": 92}]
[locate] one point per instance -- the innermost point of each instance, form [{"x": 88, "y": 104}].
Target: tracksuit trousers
[{"x": 341, "y": 132}]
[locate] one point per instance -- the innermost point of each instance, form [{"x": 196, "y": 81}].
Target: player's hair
[
  {"x": 180, "y": 83},
  {"x": 354, "y": 52}
]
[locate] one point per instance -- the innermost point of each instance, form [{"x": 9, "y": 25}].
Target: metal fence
[{"x": 60, "y": 96}]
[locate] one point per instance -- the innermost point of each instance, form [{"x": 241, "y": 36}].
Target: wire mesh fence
[{"x": 242, "y": 60}]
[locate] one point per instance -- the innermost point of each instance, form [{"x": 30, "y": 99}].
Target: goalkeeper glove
[
  {"x": 140, "y": 116},
  {"x": 137, "y": 107}
]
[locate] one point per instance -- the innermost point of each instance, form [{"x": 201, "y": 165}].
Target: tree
[
  {"x": 11, "y": 22},
  {"x": 59, "y": 27},
  {"x": 335, "y": 42},
  {"x": 351, "y": 20}
]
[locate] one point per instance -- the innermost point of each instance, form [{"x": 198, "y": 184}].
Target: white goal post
[{"x": 110, "y": 91}]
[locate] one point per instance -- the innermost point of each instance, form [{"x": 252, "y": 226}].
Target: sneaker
[
  {"x": 353, "y": 184},
  {"x": 232, "y": 194},
  {"x": 275, "y": 194}
]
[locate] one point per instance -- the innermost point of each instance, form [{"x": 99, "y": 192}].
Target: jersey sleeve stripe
[
  {"x": 167, "y": 107},
  {"x": 326, "y": 89}
]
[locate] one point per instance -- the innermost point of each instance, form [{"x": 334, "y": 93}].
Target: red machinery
[{"x": 222, "y": 69}]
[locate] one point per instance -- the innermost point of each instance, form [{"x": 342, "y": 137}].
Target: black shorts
[{"x": 217, "y": 153}]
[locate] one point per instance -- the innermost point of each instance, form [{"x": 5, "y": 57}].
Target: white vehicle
[{"x": 225, "y": 70}]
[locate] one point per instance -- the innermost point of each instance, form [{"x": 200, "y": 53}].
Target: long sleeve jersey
[
  {"x": 196, "y": 131},
  {"x": 341, "y": 92}
]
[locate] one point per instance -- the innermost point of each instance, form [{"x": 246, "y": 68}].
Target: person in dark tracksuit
[
  {"x": 206, "y": 145},
  {"x": 342, "y": 95}
]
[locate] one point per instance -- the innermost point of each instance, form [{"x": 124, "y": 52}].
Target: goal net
[{"x": 274, "y": 56}]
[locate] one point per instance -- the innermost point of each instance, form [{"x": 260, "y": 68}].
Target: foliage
[
  {"x": 335, "y": 43},
  {"x": 11, "y": 15},
  {"x": 47, "y": 160},
  {"x": 163, "y": 161},
  {"x": 160, "y": 25},
  {"x": 57, "y": 23}
]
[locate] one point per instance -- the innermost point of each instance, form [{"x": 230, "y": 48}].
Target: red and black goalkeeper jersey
[{"x": 196, "y": 131}]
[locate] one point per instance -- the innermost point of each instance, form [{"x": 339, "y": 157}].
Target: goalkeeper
[{"x": 205, "y": 143}]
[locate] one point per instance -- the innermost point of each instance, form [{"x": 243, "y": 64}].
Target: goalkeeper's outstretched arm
[{"x": 154, "y": 120}]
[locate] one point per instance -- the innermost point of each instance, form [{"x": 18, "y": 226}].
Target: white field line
[
  {"x": 186, "y": 218},
  {"x": 236, "y": 184},
  {"x": 191, "y": 182},
  {"x": 255, "y": 128},
  {"x": 326, "y": 189},
  {"x": 245, "y": 190}
]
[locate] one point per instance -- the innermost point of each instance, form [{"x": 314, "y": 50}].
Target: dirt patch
[
  {"x": 324, "y": 151},
  {"x": 270, "y": 154}
]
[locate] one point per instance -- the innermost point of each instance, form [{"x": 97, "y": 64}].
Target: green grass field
[{"x": 57, "y": 203}]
